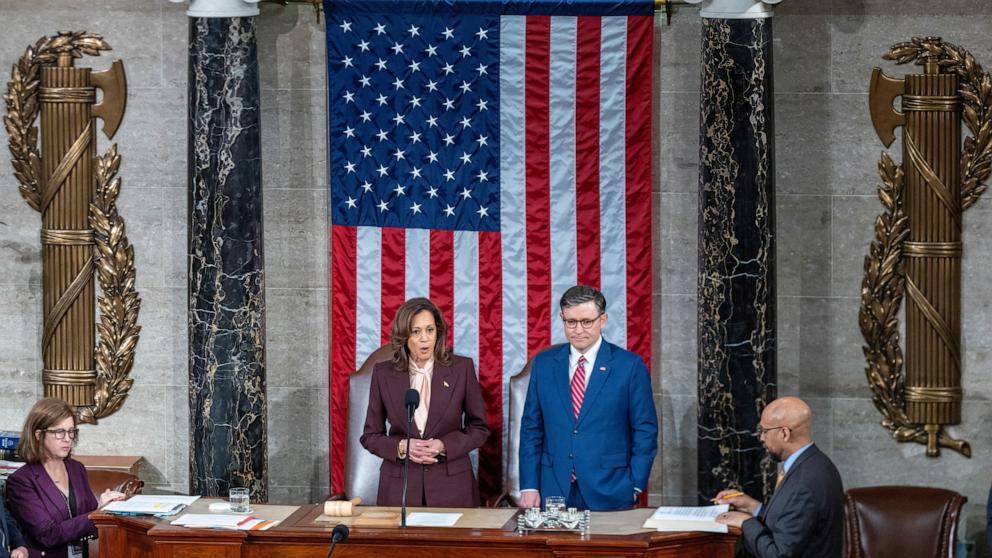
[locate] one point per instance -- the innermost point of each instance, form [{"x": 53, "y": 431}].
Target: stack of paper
[
  {"x": 687, "y": 519},
  {"x": 157, "y": 504},
  {"x": 223, "y": 521}
]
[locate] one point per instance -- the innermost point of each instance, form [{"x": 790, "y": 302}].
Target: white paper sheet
[
  {"x": 424, "y": 519},
  {"x": 689, "y": 518},
  {"x": 689, "y": 512},
  {"x": 219, "y": 520}
]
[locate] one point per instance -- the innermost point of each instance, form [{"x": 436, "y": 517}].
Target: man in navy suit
[
  {"x": 589, "y": 431},
  {"x": 805, "y": 516},
  {"x": 11, "y": 540}
]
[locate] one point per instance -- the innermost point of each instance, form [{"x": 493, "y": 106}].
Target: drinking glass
[
  {"x": 554, "y": 504},
  {"x": 239, "y": 500}
]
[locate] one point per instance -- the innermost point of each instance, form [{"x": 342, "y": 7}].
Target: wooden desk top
[{"x": 301, "y": 535}]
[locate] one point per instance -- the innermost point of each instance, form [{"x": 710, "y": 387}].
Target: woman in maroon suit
[
  {"x": 448, "y": 424},
  {"x": 50, "y": 495}
]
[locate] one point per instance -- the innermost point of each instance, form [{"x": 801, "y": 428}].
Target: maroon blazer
[
  {"x": 42, "y": 510},
  {"x": 456, "y": 417}
]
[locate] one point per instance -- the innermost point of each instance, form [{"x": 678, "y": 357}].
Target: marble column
[
  {"x": 736, "y": 274},
  {"x": 227, "y": 392}
]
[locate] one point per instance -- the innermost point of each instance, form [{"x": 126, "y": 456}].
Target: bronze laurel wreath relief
[
  {"x": 82, "y": 232},
  {"x": 917, "y": 247}
]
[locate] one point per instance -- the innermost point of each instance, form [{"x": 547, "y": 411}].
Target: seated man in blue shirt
[{"x": 804, "y": 518}]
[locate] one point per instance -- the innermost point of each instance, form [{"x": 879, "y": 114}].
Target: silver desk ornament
[{"x": 561, "y": 520}]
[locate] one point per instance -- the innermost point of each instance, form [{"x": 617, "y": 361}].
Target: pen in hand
[{"x": 729, "y": 495}]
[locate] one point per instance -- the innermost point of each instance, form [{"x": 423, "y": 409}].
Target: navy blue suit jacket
[
  {"x": 611, "y": 444},
  {"x": 804, "y": 517},
  {"x": 10, "y": 533},
  {"x": 988, "y": 520}
]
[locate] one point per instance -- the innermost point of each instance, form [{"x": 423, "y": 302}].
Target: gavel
[{"x": 341, "y": 508}]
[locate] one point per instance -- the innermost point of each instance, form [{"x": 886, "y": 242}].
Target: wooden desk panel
[{"x": 299, "y": 536}]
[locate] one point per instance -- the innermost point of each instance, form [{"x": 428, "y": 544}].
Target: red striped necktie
[
  {"x": 578, "y": 390},
  {"x": 579, "y": 385}
]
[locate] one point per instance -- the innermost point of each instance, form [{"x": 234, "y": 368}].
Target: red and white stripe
[
  {"x": 575, "y": 207},
  {"x": 578, "y": 386}
]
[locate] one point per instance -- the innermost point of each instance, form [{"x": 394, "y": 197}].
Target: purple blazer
[{"x": 42, "y": 511}]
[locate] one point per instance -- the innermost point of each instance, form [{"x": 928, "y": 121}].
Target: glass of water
[
  {"x": 554, "y": 504},
  {"x": 239, "y": 500}
]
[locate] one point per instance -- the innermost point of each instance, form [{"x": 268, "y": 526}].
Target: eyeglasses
[
  {"x": 762, "y": 430},
  {"x": 61, "y": 433},
  {"x": 586, "y": 324}
]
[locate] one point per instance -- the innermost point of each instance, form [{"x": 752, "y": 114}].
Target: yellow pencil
[{"x": 730, "y": 495}]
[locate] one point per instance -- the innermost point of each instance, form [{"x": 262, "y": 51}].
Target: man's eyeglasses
[
  {"x": 762, "y": 431},
  {"x": 586, "y": 324},
  {"x": 61, "y": 433}
]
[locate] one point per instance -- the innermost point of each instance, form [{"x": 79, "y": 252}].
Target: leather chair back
[
  {"x": 102, "y": 479},
  {"x": 517, "y": 396},
  {"x": 901, "y": 521},
  {"x": 361, "y": 474}
]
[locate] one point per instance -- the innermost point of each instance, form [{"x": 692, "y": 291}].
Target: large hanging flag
[{"x": 487, "y": 155}]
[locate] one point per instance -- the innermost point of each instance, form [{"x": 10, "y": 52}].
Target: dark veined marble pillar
[
  {"x": 736, "y": 275},
  {"x": 227, "y": 394}
]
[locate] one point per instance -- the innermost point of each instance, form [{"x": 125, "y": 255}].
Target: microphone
[
  {"x": 412, "y": 401},
  {"x": 339, "y": 534}
]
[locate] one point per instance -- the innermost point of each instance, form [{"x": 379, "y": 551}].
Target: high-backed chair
[
  {"x": 901, "y": 521},
  {"x": 515, "y": 410},
  {"x": 361, "y": 474}
]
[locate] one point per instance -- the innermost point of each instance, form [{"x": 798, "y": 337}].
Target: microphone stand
[
  {"x": 339, "y": 534},
  {"x": 406, "y": 462}
]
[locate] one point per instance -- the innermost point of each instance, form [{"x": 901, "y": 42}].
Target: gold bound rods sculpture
[
  {"x": 81, "y": 231},
  {"x": 917, "y": 247}
]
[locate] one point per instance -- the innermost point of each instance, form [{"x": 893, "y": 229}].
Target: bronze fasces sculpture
[
  {"x": 917, "y": 250},
  {"x": 51, "y": 123}
]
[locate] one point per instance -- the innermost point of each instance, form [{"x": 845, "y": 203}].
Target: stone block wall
[{"x": 826, "y": 158}]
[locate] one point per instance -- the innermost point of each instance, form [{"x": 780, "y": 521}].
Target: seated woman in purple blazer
[
  {"x": 449, "y": 423},
  {"x": 50, "y": 495}
]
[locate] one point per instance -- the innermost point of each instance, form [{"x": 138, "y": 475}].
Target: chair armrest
[{"x": 504, "y": 500}]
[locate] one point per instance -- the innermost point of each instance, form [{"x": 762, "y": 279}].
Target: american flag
[{"x": 487, "y": 155}]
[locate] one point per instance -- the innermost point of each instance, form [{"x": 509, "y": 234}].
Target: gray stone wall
[
  {"x": 827, "y": 153},
  {"x": 151, "y": 37}
]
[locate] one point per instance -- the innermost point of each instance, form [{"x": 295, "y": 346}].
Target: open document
[
  {"x": 690, "y": 518},
  {"x": 222, "y": 521},
  {"x": 158, "y": 504}
]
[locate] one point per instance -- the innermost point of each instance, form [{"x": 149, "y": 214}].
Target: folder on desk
[{"x": 160, "y": 505}]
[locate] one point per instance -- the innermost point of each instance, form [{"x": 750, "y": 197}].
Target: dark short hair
[
  {"x": 403, "y": 323},
  {"x": 580, "y": 294},
  {"x": 45, "y": 414}
]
